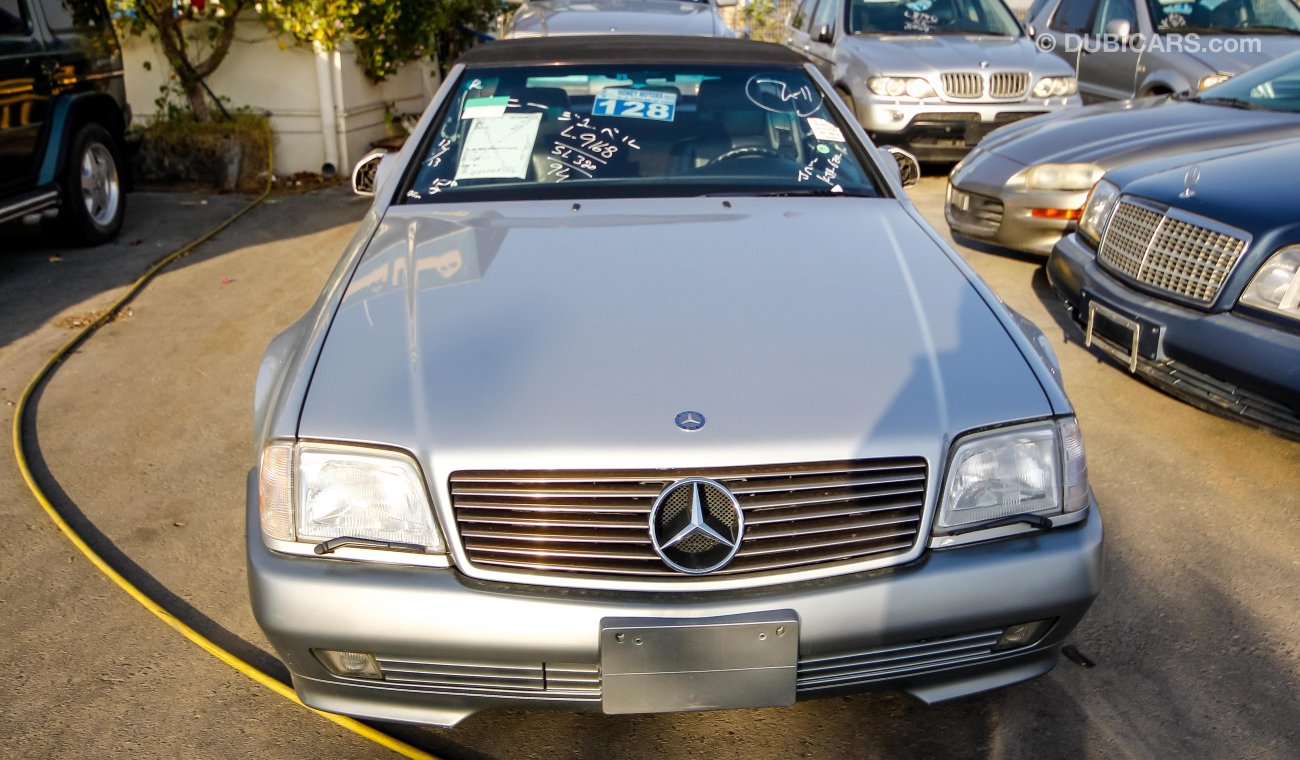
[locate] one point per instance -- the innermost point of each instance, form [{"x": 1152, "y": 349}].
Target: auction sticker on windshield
[
  {"x": 499, "y": 148},
  {"x": 635, "y": 104}
]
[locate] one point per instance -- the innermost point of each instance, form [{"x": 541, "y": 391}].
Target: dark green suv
[{"x": 63, "y": 114}]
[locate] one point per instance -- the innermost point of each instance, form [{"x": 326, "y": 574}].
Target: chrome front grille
[
  {"x": 1009, "y": 84},
  {"x": 970, "y": 85},
  {"x": 1170, "y": 251},
  {"x": 965, "y": 85},
  {"x": 567, "y": 681},
  {"x": 596, "y": 522},
  {"x": 895, "y": 661}
]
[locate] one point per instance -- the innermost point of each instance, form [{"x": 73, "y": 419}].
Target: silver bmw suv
[{"x": 930, "y": 76}]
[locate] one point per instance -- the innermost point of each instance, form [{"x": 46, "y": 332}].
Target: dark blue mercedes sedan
[{"x": 1186, "y": 270}]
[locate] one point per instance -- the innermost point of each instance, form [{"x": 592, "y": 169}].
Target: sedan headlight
[
  {"x": 312, "y": 493},
  {"x": 1097, "y": 210},
  {"x": 1056, "y": 87},
  {"x": 1212, "y": 79},
  {"x": 897, "y": 87},
  {"x": 1057, "y": 177},
  {"x": 1008, "y": 474},
  {"x": 1276, "y": 286}
]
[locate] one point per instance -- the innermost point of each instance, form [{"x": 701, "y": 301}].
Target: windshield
[
  {"x": 1275, "y": 86},
  {"x": 548, "y": 131},
  {"x": 932, "y": 17},
  {"x": 1225, "y": 15}
]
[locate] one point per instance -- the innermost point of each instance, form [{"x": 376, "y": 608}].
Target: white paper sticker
[
  {"x": 824, "y": 130},
  {"x": 499, "y": 148}
]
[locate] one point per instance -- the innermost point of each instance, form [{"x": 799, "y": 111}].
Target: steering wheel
[{"x": 746, "y": 151}]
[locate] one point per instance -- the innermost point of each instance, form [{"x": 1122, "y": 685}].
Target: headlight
[
  {"x": 1276, "y": 286},
  {"x": 1057, "y": 177},
  {"x": 1056, "y": 87},
  {"x": 1036, "y": 469},
  {"x": 1213, "y": 79},
  {"x": 312, "y": 493},
  {"x": 897, "y": 87},
  {"x": 1097, "y": 210}
]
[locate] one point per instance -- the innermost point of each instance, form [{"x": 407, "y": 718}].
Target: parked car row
[{"x": 1172, "y": 233}]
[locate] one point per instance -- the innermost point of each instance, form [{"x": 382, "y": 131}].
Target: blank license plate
[{"x": 671, "y": 665}]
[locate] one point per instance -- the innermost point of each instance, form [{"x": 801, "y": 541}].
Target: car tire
[{"x": 94, "y": 194}]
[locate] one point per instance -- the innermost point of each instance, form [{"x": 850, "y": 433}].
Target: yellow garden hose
[{"x": 20, "y": 454}]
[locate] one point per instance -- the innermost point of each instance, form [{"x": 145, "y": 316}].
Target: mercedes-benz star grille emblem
[
  {"x": 1190, "y": 179},
  {"x": 690, "y": 421},
  {"x": 696, "y": 525}
]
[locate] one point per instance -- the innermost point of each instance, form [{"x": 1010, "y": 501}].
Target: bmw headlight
[
  {"x": 1057, "y": 177},
  {"x": 1014, "y": 474},
  {"x": 1097, "y": 210},
  {"x": 1056, "y": 87},
  {"x": 319, "y": 498},
  {"x": 897, "y": 87},
  {"x": 1210, "y": 80},
  {"x": 1276, "y": 286}
]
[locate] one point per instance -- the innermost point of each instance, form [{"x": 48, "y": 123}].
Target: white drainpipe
[
  {"x": 340, "y": 112},
  {"x": 328, "y": 112}
]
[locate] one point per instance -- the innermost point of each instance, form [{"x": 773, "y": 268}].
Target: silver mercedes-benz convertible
[{"x": 643, "y": 388}]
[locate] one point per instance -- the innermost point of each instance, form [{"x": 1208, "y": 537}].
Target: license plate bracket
[
  {"x": 674, "y": 665},
  {"x": 1126, "y": 338}
]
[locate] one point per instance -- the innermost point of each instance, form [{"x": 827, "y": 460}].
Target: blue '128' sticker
[{"x": 631, "y": 103}]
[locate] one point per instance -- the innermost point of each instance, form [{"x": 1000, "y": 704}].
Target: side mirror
[
  {"x": 1119, "y": 29},
  {"x": 909, "y": 169},
  {"x": 365, "y": 175},
  {"x": 726, "y": 3},
  {"x": 824, "y": 34}
]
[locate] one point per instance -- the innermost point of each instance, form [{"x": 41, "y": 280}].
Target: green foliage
[
  {"x": 765, "y": 19},
  {"x": 194, "y": 35},
  {"x": 386, "y": 35}
]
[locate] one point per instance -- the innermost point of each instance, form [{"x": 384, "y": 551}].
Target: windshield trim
[{"x": 609, "y": 189}]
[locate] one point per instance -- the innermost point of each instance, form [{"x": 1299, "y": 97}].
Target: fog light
[
  {"x": 1022, "y": 634},
  {"x": 349, "y": 664}
]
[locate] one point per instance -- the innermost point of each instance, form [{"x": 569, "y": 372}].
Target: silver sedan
[{"x": 643, "y": 388}]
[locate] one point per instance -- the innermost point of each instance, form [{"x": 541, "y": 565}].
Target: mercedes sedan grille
[
  {"x": 596, "y": 522},
  {"x": 1170, "y": 251}
]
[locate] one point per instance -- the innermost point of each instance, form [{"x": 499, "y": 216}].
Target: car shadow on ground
[{"x": 40, "y": 277}]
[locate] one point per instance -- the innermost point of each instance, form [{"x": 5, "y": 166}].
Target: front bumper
[
  {"x": 993, "y": 214},
  {"x": 924, "y": 628},
  {"x": 943, "y": 131},
  {"x": 1223, "y": 362}
]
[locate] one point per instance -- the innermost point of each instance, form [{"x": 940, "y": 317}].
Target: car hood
[
  {"x": 1113, "y": 134},
  {"x": 915, "y": 54},
  {"x": 1253, "y": 188},
  {"x": 1212, "y": 55},
  {"x": 533, "y": 334},
  {"x": 560, "y": 17}
]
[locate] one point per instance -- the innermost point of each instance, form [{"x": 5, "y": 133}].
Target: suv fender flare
[{"x": 67, "y": 113}]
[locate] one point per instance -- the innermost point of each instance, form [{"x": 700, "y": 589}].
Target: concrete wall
[{"x": 262, "y": 75}]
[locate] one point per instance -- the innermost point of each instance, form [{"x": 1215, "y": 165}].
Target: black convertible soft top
[{"x": 627, "y": 48}]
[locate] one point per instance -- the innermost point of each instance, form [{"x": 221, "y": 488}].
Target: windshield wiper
[
  {"x": 1229, "y": 102},
  {"x": 1267, "y": 28},
  {"x": 809, "y": 193}
]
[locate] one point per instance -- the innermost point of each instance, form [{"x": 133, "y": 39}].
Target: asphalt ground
[{"x": 144, "y": 435}]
